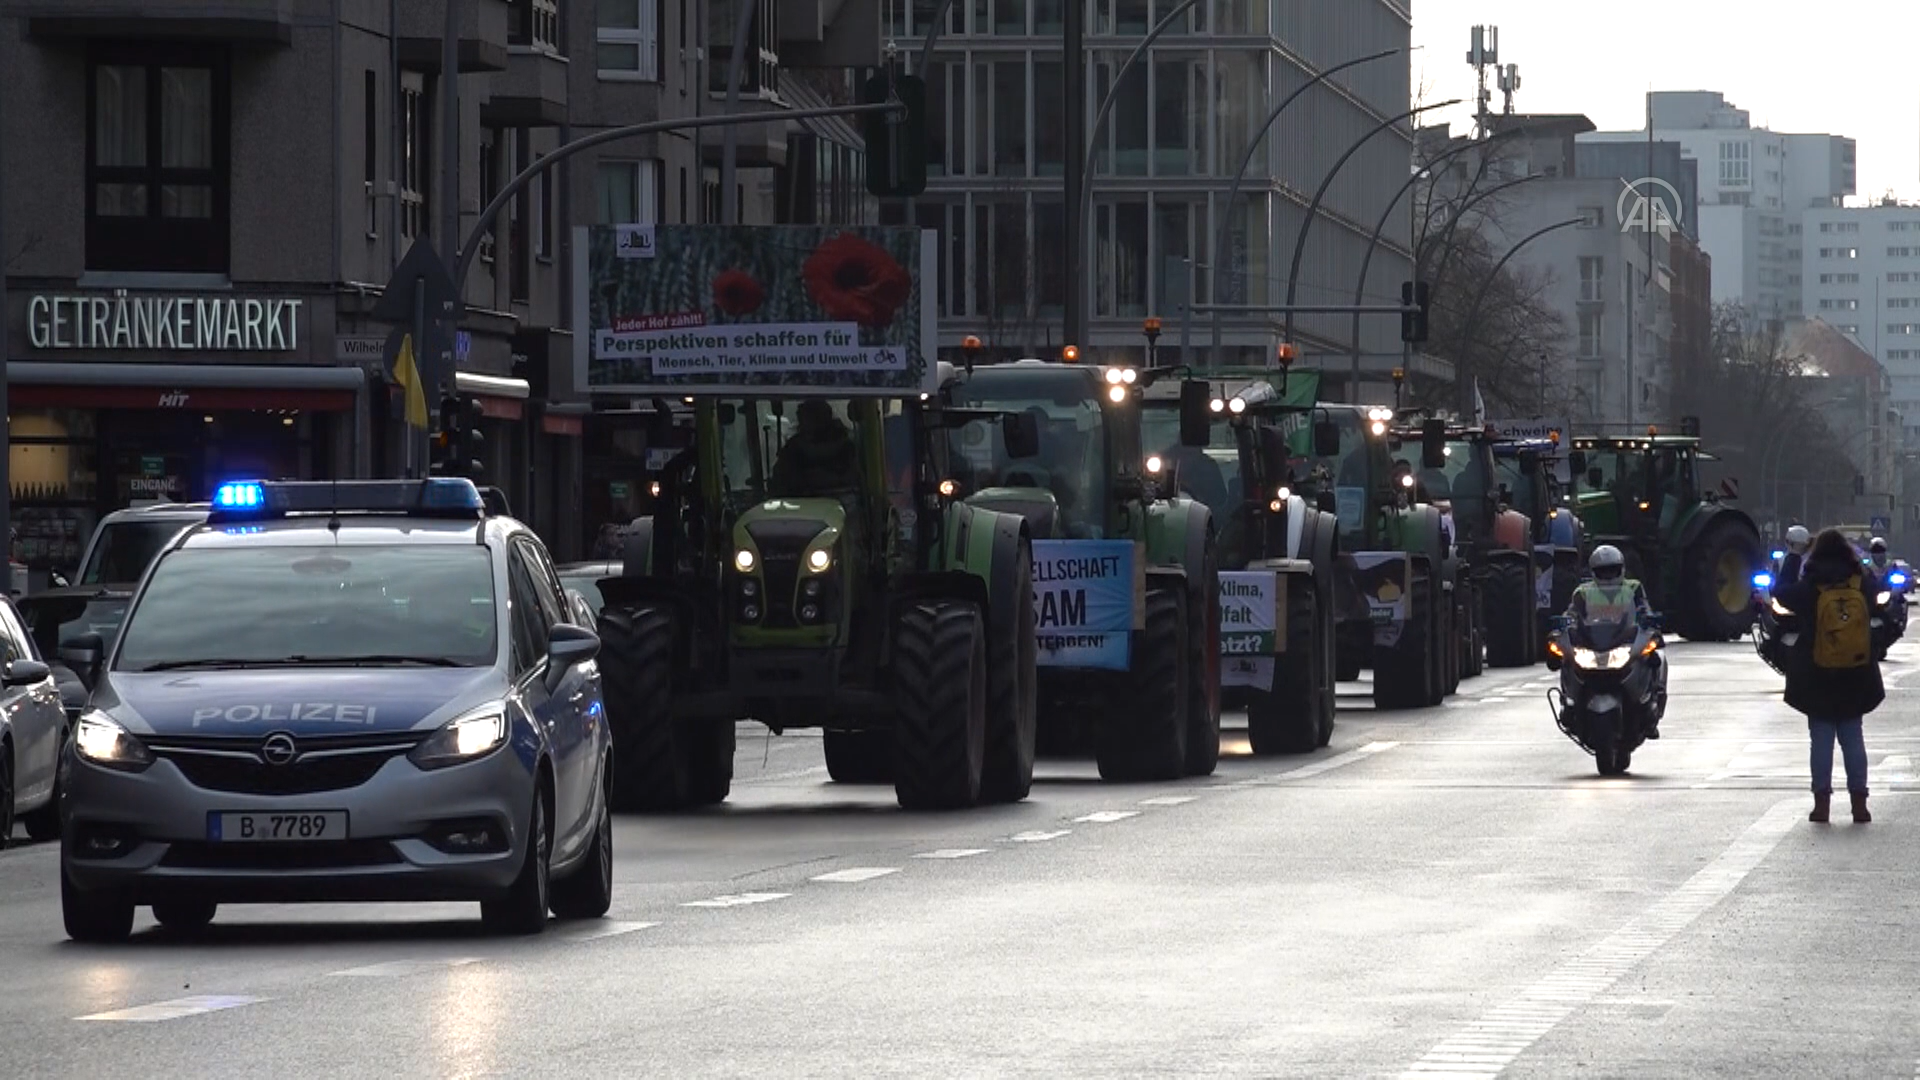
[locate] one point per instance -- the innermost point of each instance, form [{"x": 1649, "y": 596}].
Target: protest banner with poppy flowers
[{"x": 754, "y": 309}]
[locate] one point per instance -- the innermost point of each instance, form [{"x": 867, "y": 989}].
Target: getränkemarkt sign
[{"x": 151, "y": 323}]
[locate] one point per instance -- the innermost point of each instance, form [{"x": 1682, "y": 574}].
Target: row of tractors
[{"x": 1051, "y": 556}]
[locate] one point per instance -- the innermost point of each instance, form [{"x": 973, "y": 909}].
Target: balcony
[
  {"x": 483, "y": 34},
  {"x": 829, "y": 33},
  {"x": 532, "y": 93},
  {"x": 262, "y": 22}
]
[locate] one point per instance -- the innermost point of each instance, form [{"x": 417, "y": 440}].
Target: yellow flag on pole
[{"x": 407, "y": 374}]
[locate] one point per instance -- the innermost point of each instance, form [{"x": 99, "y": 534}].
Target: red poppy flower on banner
[
  {"x": 854, "y": 280},
  {"x": 737, "y": 293}
]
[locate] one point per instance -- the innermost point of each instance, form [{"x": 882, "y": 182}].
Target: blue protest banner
[{"x": 1083, "y": 602}]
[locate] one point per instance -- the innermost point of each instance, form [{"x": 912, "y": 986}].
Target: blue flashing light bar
[
  {"x": 1897, "y": 578},
  {"x": 1778, "y": 554},
  {"x": 439, "y": 496},
  {"x": 1763, "y": 580}
]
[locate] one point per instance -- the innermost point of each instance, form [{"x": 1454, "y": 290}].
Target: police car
[{"x": 366, "y": 690}]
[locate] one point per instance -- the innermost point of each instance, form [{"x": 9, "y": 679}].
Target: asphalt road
[{"x": 1445, "y": 892}]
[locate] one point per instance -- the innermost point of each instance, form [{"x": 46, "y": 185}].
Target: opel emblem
[{"x": 278, "y": 749}]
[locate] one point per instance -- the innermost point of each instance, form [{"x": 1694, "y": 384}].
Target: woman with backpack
[{"x": 1831, "y": 673}]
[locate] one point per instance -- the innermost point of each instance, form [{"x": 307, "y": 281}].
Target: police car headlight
[
  {"x": 103, "y": 742},
  {"x": 474, "y": 735}
]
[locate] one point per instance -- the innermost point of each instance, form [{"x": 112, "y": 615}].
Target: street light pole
[
  {"x": 1239, "y": 175},
  {"x": 1473, "y": 313},
  {"x": 730, "y": 147},
  {"x": 1077, "y": 238},
  {"x": 1326, "y": 183},
  {"x": 1379, "y": 230}
]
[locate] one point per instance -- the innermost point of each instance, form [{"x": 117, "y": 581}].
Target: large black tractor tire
[
  {"x": 1146, "y": 736},
  {"x": 1511, "y": 614},
  {"x": 1203, "y": 674},
  {"x": 659, "y": 762},
  {"x": 1407, "y": 675},
  {"x": 1013, "y": 706},
  {"x": 1476, "y": 619},
  {"x": 940, "y": 685},
  {"x": 1347, "y": 664},
  {"x": 1323, "y": 640},
  {"x": 858, "y": 757},
  {"x": 1291, "y": 718},
  {"x": 1448, "y": 641},
  {"x": 1718, "y": 582}
]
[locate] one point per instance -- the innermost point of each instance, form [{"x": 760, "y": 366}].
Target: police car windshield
[{"x": 357, "y": 605}]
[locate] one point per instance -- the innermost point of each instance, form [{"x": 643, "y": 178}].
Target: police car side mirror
[
  {"x": 83, "y": 653},
  {"x": 568, "y": 645}
]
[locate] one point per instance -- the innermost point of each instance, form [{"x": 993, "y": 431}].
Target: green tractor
[
  {"x": 1278, "y": 553},
  {"x": 1396, "y": 607},
  {"x": 1494, "y": 540},
  {"x": 1695, "y": 554},
  {"x": 1530, "y": 484},
  {"x": 1126, "y": 575},
  {"x": 803, "y": 588}
]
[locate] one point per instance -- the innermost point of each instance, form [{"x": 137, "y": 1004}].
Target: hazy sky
[{"x": 1842, "y": 67}]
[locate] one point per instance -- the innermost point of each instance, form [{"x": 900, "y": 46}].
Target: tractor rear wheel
[
  {"x": 1013, "y": 709},
  {"x": 1289, "y": 718},
  {"x": 1146, "y": 736},
  {"x": 1406, "y": 676},
  {"x": 660, "y": 762},
  {"x": 1203, "y": 673},
  {"x": 940, "y": 736},
  {"x": 1717, "y": 599},
  {"x": 1511, "y": 613}
]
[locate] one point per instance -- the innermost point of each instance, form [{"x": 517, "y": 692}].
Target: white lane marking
[
  {"x": 1168, "y": 800},
  {"x": 1528, "y": 1018},
  {"x": 175, "y": 1009},
  {"x": 1105, "y": 817},
  {"x": 1336, "y": 762},
  {"x": 1035, "y": 836},
  {"x": 858, "y": 873},
  {"x": 606, "y": 930},
  {"x": 952, "y": 853},
  {"x": 394, "y": 969},
  {"x": 738, "y": 900}
]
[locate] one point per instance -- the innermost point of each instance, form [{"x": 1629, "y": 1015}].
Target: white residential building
[
  {"x": 1861, "y": 270},
  {"x": 1755, "y": 187}
]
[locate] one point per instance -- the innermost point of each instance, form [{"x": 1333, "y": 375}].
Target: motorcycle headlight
[
  {"x": 101, "y": 741},
  {"x": 465, "y": 738},
  {"x": 1883, "y": 597},
  {"x": 1585, "y": 658},
  {"x": 1619, "y": 657}
]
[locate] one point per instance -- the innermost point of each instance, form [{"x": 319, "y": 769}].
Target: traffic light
[
  {"x": 1413, "y": 324},
  {"x": 459, "y": 444},
  {"x": 896, "y": 144}
]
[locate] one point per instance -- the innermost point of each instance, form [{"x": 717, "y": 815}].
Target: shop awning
[
  {"x": 34, "y": 384},
  {"x": 500, "y": 398}
]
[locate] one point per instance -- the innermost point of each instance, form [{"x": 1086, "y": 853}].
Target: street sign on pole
[
  {"x": 421, "y": 265},
  {"x": 1881, "y": 525}
]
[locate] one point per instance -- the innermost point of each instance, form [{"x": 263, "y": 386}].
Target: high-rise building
[
  {"x": 1755, "y": 185},
  {"x": 1163, "y": 165}
]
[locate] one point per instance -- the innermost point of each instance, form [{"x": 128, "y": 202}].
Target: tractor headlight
[
  {"x": 744, "y": 561},
  {"x": 819, "y": 559}
]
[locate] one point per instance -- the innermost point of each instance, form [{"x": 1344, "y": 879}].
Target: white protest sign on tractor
[{"x": 1253, "y": 626}]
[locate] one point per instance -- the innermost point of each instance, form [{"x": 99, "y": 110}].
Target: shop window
[{"x": 158, "y": 187}]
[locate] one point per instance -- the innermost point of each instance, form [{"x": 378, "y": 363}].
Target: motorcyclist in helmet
[
  {"x": 1877, "y": 551},
  {"x": 1788, "y": 572},
  {"x": 1611, "y": 595}
]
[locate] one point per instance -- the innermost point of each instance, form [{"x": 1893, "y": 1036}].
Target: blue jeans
[{"x": 1853, "y": 751}]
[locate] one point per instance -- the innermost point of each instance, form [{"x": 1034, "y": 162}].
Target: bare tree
[{"x": 1508, "y": 338}]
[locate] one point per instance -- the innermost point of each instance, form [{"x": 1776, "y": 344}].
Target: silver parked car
[
  {"x": 33, "y": 727},
  {"x": 370, "y": 690}
]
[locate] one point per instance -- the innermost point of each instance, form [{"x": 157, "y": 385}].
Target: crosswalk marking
[
  {"x": 738, "y": 900},
  {"x": 951, "y": 853},
  {"x": 1105, "y": 817},
  {"x": 176, "y": 1009},
  {"x": 396, "y": 969},
  {"x": 858, "y": 874}
]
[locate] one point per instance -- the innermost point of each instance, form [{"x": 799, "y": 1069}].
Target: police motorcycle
[
  {"x": 1775, "y": 629},
  {"x": 1891, "y": 604},
  {"x": 1609, "y": 693}
]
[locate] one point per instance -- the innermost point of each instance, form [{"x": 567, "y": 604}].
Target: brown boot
[
  {"x": 1821, "y": 805},
  {"x": 1860, "y": 807}
]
